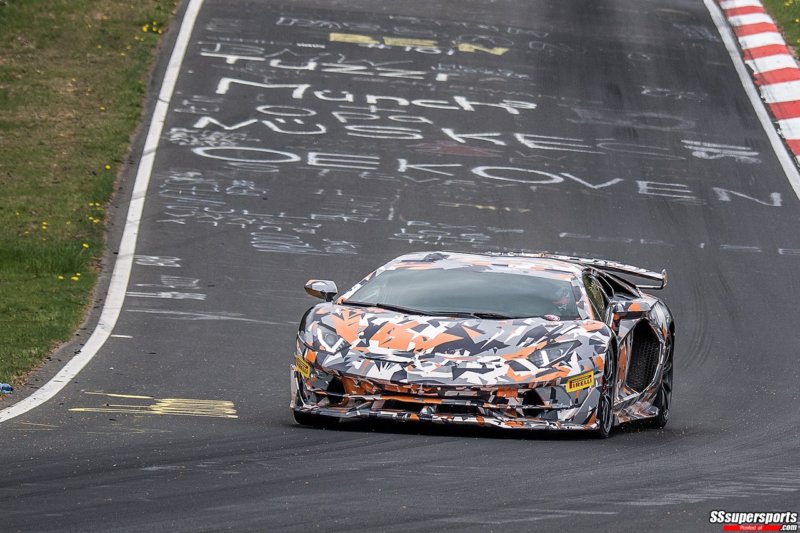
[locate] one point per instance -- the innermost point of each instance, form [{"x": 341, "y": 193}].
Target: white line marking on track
[
  {"x": 122, "y": 336},
  {"x": 122, "y": 268},
  {"x": 786, "y": 160}
]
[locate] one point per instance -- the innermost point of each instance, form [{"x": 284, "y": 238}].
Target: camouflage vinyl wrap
[{"x": 536, "y": 373}]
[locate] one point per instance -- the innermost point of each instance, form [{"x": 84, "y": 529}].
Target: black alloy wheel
[
  {"x": 605, "y": 405},
  {"x": 663, "y": 400}
]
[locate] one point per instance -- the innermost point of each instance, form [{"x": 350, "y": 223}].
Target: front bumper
[{"x": 544, "y": 407}]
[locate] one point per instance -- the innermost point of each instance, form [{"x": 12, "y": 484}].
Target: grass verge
[
  {"x": 787, "y": 15},
  {"x": 72, "y": 85}
]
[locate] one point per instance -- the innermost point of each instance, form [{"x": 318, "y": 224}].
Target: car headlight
[
  {"x": 550, "y": 353},
  {"x": 322, "y": 340}
]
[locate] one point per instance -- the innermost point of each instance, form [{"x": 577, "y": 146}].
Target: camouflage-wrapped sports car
[{"x": 528, "y": 341}]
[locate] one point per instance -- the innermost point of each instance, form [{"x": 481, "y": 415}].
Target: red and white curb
[{"x": 772, "y": 64}]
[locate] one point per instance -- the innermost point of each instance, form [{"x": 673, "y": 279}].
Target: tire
[
  {"x": 605, "y": 405},
  {"x": 309, "y": 419},
  {"x": 663, "y": 399}
]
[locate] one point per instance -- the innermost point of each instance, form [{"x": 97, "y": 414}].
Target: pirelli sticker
[
  {"x": 580, "y": 382},
  {"x": 302, "y": 367}
]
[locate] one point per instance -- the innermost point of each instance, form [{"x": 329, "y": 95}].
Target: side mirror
[
  {"x": 634, "y": 309},
  {"x": 321, "y": 288}
]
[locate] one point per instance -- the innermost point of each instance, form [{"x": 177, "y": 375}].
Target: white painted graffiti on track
[
  {"x": 520, "y": 176},
  {"x": 299, "y": 91}
]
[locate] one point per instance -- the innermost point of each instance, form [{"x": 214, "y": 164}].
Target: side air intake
[{"x": 644, "y": 358}]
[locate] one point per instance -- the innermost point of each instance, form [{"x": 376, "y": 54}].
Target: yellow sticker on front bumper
[
  {"x": 580, "y": 382},
  {"x": 302, "y": 367}
]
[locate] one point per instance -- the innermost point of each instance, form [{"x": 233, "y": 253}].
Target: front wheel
[
  {"x": 663, "y": 400},
  {"x": 309, "y": 419},
  {"x": 605, "y": 405}
]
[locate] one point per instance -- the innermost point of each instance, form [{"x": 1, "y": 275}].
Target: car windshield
[{"x": 466, "y": 292}]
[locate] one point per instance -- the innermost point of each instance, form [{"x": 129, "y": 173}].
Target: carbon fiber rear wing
[{"x": 608, "y": 266}]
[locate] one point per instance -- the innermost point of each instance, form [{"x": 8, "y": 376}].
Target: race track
[{"x": 319, "y": 139}]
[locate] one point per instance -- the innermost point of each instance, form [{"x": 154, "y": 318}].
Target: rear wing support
[{"x": 607, "y": 266}]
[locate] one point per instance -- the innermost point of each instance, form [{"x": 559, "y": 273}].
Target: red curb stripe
[
  {"x": 748, "y": 10},
  {"x": 752, "y": 29},
  {"x": 764, "y": 51},
  {"x": 794, "y": 145},
  {"x": 777, "y": 76},
  {"x": 784, "y": 110}
]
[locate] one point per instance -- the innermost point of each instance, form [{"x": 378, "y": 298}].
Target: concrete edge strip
[
  {"x": 773, "y": 79},
  {"x": 124, "y": 262}
]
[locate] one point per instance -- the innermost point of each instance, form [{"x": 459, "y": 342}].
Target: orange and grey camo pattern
[{"x": 515, "y": 373}]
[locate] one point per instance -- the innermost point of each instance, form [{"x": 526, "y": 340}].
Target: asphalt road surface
[{"x": 319, "y": 139}]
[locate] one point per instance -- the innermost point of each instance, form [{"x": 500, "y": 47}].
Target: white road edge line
[
  {"x": 122, "y": 268},
  {"x": 786, "y": 160}
]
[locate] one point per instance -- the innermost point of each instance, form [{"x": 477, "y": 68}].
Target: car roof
[{"x": 532, "y": 266}]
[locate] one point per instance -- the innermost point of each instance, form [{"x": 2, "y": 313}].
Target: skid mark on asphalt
[
  {"x": 773, "y": 482},
  {"x": 162, "y": 406},
  {"x": 213, "y": 315},
  {"x": 527, "y": 515},
  {"x": 31, "y": 426}
]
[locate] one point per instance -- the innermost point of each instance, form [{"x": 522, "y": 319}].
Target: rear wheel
[
  {"x": 605, "y": 405},
  {"x": 663, "y": 400}
]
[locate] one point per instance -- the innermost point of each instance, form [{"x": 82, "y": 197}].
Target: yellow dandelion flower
[
  {"x": 85, "y": 245},
  {"x": 145, "y": 28},
  {"x": 61, "y": 277},
  {"x": 74, "y": 278},
  {"x": 108, "y": 167}
]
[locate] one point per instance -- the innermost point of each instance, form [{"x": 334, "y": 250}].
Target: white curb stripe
[
  {"x": 752, "y": 18},
  {"x": 769, "y": 63},
  {"x": 781, "y": 92},
  {"x": 761, "y": 39},
  {"x": 733, "y": 4},
  {"x": 790, "y": 128},
  {"x": 124, "y": 263}
]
